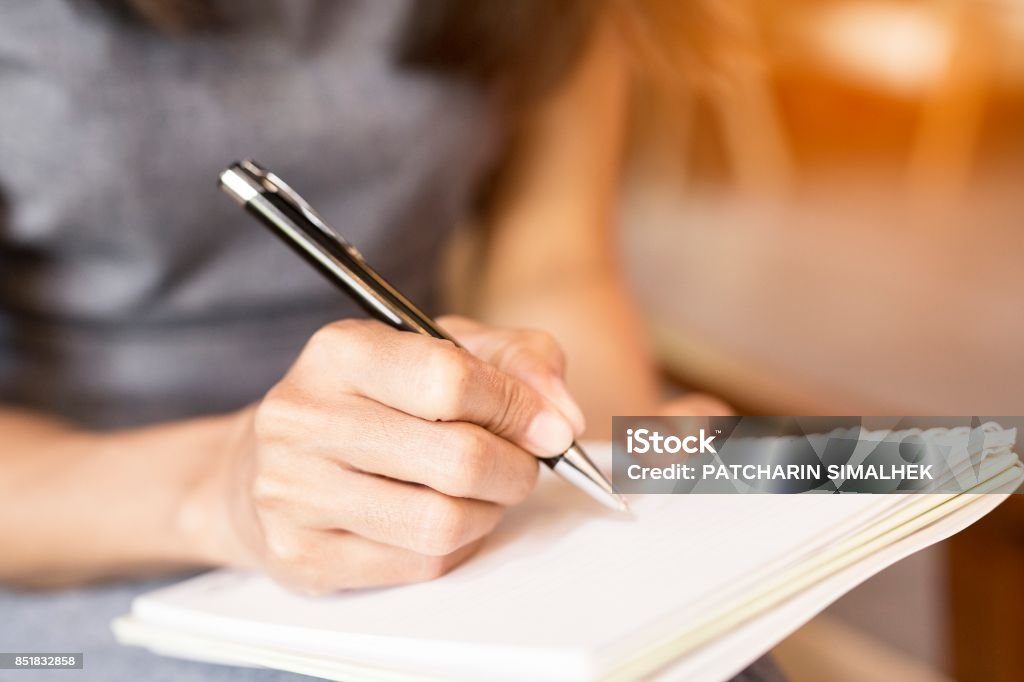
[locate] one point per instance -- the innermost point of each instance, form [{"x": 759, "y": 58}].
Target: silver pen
[{"x": 278, "y": 207}]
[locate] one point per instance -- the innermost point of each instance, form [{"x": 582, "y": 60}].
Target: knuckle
[
  {"x": 551, "y": 349},
  {"x": 446, "y": 376},
  {"x": 269, "y": 492},
  {"x": 286, "y": 552},
  {"x": 523, "y": 485},
  {"x": 472, "y": 462},
  {"x": 444, "y": 526},
  {"x": 299, "y": 562},
  {"x": 328, "y": 336},
  {"x": 270, "y": 413},
  {"x": 290, "y": 410},
  {"x": 517, "y": 408},
  {"x": 340, "y": 338},
  {"x": 284, "y": 409},
  {"x": 339, "y": 330}
]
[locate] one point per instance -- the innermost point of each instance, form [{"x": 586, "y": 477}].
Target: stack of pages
[{"x": 693, "y": 587}]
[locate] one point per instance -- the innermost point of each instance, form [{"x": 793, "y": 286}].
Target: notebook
[{"x": 693, "y": 587}]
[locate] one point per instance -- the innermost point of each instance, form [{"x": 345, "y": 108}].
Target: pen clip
[{"x": 272, "y": 182}]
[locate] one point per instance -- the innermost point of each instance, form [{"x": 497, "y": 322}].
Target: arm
[
  {"x": 76, "y": 505},
  {"x": 550, "y": 260},
  {"x": 315, "y": 484}
]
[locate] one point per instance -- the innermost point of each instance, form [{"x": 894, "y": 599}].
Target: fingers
[
  {"x": 458, "y": 459},
  {"x": 321, "y": 562},
  {"x": 410, "y": 516},
  {"x": 532, "y": 356},
  {"x": 434, "y": 380},
  {"x": 455, "y": 458}
]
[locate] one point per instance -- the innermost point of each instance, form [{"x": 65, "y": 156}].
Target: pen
[{"x": 271, "y": 201}]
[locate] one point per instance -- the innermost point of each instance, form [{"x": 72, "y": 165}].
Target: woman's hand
[{"x": 385, "y": 457}]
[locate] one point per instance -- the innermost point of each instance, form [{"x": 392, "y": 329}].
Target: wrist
[{"x": 205, "y": 517}]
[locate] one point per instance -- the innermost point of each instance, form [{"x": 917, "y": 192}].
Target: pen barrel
[{"x": 341, "y": 264}]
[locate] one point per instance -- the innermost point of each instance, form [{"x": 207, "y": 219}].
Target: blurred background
[{"x": 823, "y": 216}]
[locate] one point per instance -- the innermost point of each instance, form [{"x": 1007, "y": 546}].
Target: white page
[
  {"x": 727, "y": 655},
  {"x": 716, "y": 661},
  {"x": 555, "y": 585}
]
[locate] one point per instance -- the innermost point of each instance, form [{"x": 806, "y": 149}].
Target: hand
[{"x": 384, "y": 457}]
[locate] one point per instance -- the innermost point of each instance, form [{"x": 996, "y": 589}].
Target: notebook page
[
  {"x": 896, "y": 511},
  {"x": 727, "y": 656},
  {"x": 793, "y": 584},
  {"x": 720, "y": 659},
  {"x": 519, "y": 600}
]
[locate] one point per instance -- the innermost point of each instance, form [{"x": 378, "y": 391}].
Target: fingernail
[
  {"x": 549, "y": 434},
  {"x": 568, "y": 406}
]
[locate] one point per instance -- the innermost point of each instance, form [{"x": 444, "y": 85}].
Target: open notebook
[{"x": 695, "y": 587}]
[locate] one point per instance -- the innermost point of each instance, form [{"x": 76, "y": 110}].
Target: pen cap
[{"x": 239, "y": 183}]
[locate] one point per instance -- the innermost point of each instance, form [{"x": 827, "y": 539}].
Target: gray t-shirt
[{"x": 131, "y": 289}]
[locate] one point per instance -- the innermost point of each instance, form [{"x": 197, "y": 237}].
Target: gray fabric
[
  {"x": 131, "y": 289},
  {"x": 79, "y": 620}
]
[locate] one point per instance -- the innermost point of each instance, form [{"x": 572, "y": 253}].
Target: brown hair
[{"x": 521, "y": 46}]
